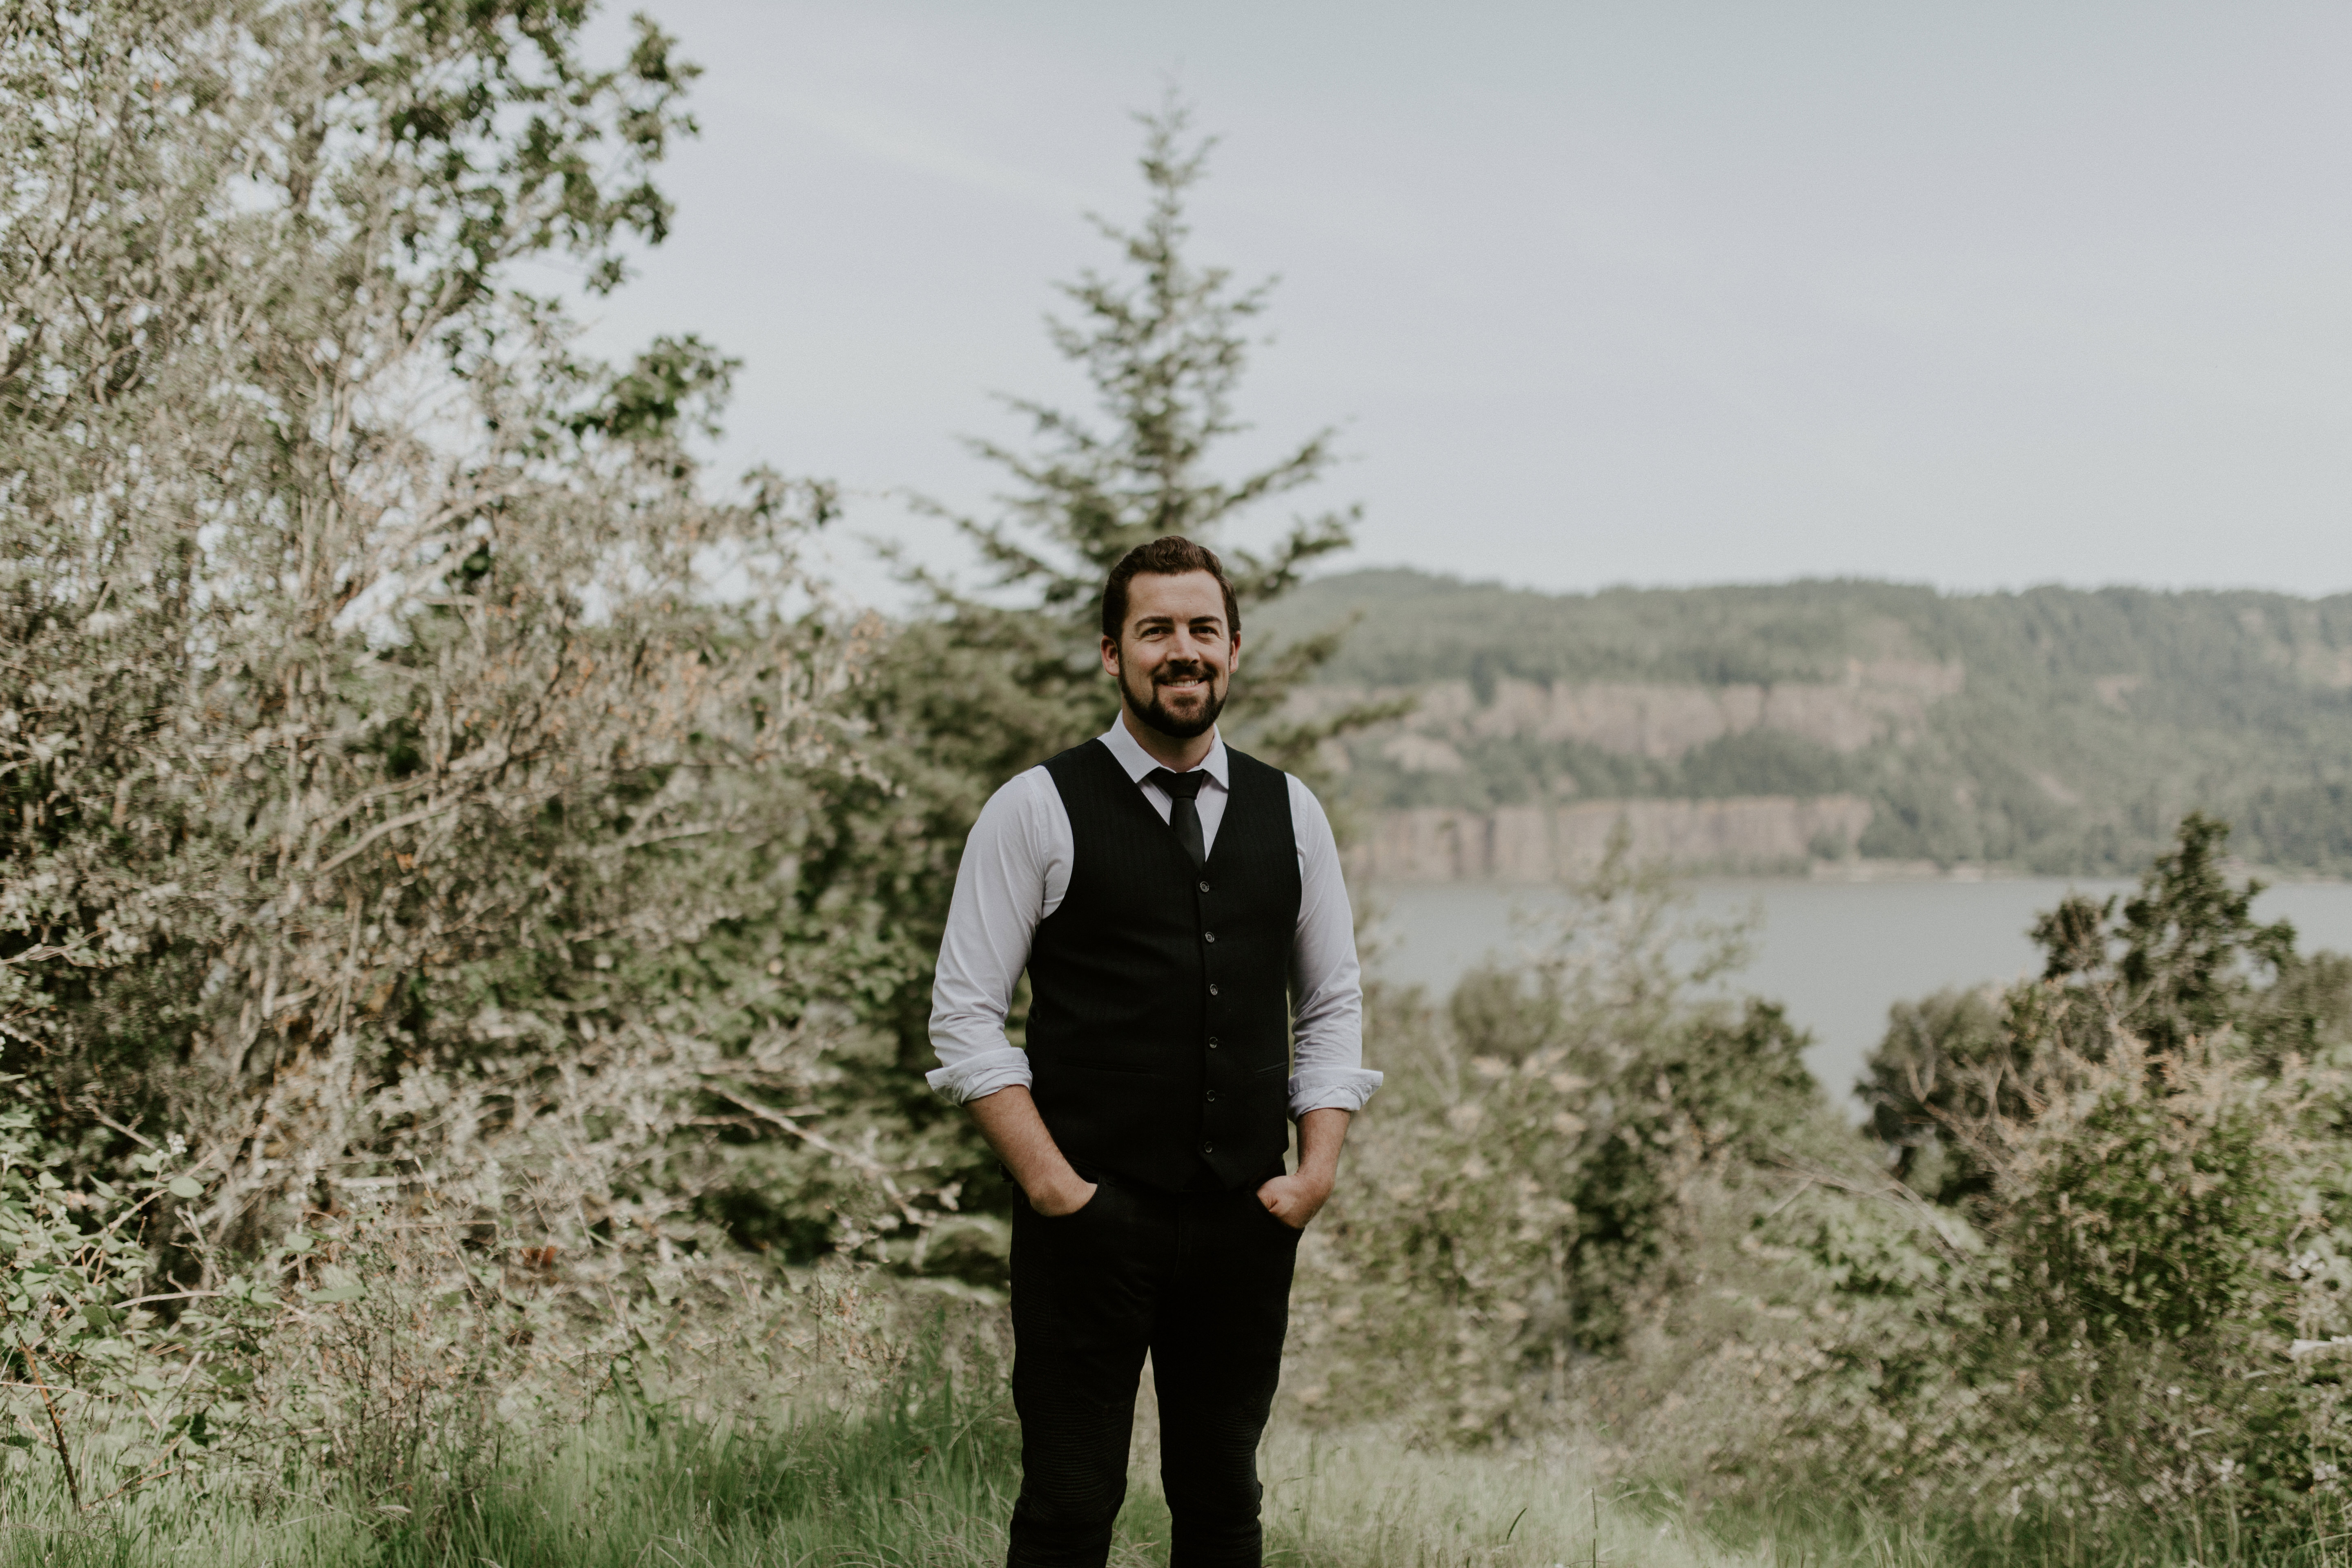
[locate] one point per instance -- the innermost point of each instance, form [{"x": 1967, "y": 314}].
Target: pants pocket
[
  {"x": 1273, "y": 1219},
  {"x": 1093, "y": 1205}
]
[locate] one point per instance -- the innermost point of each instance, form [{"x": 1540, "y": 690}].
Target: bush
[
  {"x": 2125, "y": 1301},
  {"x": 1537, "y": 1182},
  {"x": 1599, "y": 1195},
  {"x": 406, "y": 754}
]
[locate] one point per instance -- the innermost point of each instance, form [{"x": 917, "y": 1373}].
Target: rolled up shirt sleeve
[
  {"x": 999, "y": 897},
  {"x": 1326, "y": 982}
]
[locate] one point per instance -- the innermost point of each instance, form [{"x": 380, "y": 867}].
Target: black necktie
[{"x": 1184, "y": 792}]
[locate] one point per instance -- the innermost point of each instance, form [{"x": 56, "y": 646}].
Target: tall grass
[
  {"x": 923, "y": 1470},
  {"x": 933, "y": 1490},
  {"x": 927, "y": 1478},
  {"x": 923, "y": 1475},
  {"x": 1805, "y": 1531}
]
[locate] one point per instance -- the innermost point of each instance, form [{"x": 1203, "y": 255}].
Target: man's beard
[{"x": 1177, "y": 727}]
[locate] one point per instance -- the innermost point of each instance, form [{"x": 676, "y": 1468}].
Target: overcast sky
[{"x": 1976, "y": 294}]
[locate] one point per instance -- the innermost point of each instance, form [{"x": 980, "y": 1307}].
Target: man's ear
[
  {"x": 1233, "y": 653},
  {"x": 1110, "y": 656}
]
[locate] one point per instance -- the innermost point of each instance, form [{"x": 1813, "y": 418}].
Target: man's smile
[{"x": 1183, "y": 682}]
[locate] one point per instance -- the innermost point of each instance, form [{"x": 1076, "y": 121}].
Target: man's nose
[{"x": 1187, "y": 647}]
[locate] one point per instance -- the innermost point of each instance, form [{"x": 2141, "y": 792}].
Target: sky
[{"x": 1978, "y": 295}]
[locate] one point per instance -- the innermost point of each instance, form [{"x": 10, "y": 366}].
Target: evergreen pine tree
[{"x": 985, "y": 683}]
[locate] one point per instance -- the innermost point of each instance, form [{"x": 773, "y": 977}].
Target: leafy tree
[{"x": 385, "y": 783}]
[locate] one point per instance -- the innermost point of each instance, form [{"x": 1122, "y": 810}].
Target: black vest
[{"x": 1159, "y": 1010}]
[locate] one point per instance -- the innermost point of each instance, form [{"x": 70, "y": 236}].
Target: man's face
[{"x": 1175, "y": 654}]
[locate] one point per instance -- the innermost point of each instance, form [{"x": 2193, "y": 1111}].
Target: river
[{"x": 1836, "y": 953}]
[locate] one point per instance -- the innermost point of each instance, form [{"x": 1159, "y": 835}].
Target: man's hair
[{"x": 1170, "y": 556}]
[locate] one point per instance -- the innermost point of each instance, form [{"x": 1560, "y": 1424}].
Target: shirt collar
[{"x": 1140, "y": 762}]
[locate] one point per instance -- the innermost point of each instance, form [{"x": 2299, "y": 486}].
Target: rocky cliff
[
  {"x": 1873, "y": 700},
  {"x": 1542, "y": 844}
]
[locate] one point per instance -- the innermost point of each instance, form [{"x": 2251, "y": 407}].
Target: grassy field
[
  {"x": 918, "y": 1465},
  {"x": 928, "y": 1481},
  {"x": 828, "y": 1493}
]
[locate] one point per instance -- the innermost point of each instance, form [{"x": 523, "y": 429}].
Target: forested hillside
[{"x": 2055, "y": 730}]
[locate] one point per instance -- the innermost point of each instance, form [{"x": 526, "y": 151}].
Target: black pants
[{"x": 1202, "y": 1281}]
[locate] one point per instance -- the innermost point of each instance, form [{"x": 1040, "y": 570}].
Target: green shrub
[
  {"x": 1537, "y": 1181},
  {"x": 1599, "y": 1193}
]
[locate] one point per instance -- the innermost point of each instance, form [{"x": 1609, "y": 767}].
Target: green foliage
[
  {"x": 1929, "y": 1069},
  {"x": 2191, "y": 949},
  {"x": 1596, "y": 1189},
  {"x": 2179, "y": 961},
  {"x": 405, "y": 753},
  {"x": 119, "y": 1384},
  {"x": 1724, "y": 1092},
  {"x": 2160, "y": 1206},
  {"x": 1530, "y": 1183},
  {"x": 63, "y": 1317},
  {"x": 2151, "y": 1135}
]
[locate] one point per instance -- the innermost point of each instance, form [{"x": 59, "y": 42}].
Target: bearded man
[{"x": 1179, "y": 911}]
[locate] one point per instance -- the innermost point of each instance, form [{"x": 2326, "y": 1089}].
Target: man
[{"x": 1180, "y": 910}]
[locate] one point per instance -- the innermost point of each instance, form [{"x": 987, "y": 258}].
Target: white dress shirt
[{"x": 1015, "y": 871}]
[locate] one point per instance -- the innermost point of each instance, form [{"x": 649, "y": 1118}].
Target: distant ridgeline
[{"x": 1841, "y": 723}]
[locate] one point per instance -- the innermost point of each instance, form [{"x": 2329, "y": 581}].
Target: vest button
[
  {"x": 1213, "y": 1094},
  {"x": 1213, "y": 1042},
  {"x": 1208, "y": 1148},
  {"x": 1208, "y": 936},
  {"x": 1213, "y": 990},
  {"x": 1204, "y": 887}
]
